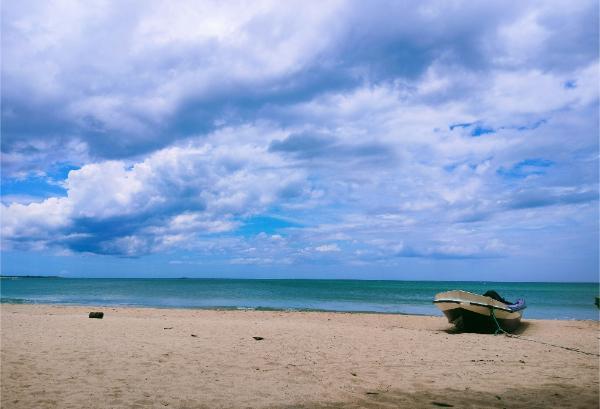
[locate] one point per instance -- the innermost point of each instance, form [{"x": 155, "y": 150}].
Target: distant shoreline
[
  {"x": 17, "y": 276},
  {"x": 299, "y": 279}
]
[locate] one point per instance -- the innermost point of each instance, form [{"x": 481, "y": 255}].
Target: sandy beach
[{"x": 56, "y": 357}]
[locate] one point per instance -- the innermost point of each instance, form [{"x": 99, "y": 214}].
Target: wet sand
[{"x": 56, "y": 357}]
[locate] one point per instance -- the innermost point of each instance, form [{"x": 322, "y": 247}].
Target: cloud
[
  {"x": 309, "y": 146},
  {"x": 157, "y": 72},
  {"x": 153, "y": 72},
  {"x": 304, "y": 144},
  {"x": 327, "y": 248},
  {"x": 265, "y": 133},
  {"x": 525, "y": 168},
  {"x": 548, "y": 197},
  {"x": 454, "y": 251},
  {"x": 545, "y": 34},
  {"x": 178, "y": 192}
]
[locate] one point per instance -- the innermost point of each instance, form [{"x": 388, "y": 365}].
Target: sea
[{"x": 544, "y": 300}]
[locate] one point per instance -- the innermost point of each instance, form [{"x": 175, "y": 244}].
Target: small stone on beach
[
  {"x": 258, "y": 338},
  {"x": 96, "y": 314}
]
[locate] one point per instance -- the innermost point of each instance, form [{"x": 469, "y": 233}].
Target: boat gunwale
[{"x": 491, "y": 306}]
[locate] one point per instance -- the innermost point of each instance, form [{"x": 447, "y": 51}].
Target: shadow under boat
[{"x": 486, "y": 313}]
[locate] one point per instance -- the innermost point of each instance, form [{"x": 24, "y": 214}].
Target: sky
[{"x": 432, "y": 140}]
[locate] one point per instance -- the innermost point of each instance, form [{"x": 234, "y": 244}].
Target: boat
[{"x": 480, "y": 313}]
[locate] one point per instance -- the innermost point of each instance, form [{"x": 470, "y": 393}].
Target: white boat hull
[{"x": 474, "y": 312}]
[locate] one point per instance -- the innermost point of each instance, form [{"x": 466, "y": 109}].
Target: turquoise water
[{"x": 544, "y": 300}]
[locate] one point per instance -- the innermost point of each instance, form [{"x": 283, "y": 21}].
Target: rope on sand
[{"x": 499, "y": 330}]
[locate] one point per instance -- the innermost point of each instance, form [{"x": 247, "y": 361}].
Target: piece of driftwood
[{"x": 96, "y": 314}]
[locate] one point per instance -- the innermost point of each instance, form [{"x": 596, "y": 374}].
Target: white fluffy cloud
[{"x": 174, "y": 194}]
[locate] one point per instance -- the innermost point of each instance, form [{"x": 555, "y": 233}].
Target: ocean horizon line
[{"x": 287, "y": 279}]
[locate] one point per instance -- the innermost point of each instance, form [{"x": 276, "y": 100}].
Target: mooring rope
[{"x": 500, "y": 330}]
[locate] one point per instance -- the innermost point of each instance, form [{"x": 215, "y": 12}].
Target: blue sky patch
[
  {"x": 264, "y": 224},
  {"x": 479, "y": 130},
  {"x": 476, "y": 128},
  {"x": 37, "y": 186},
  {"x": 526, "y": 168}
]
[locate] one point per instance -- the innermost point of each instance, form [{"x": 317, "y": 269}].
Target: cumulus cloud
[{"x": 130, "y": 209}]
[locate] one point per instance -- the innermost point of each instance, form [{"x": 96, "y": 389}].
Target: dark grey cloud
[
  {"x": 314, "y": 145},
  {"x": 304, "y": 145},
  {"x": 545, "y": 197},
  {"x": 573, "y": 37}
]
